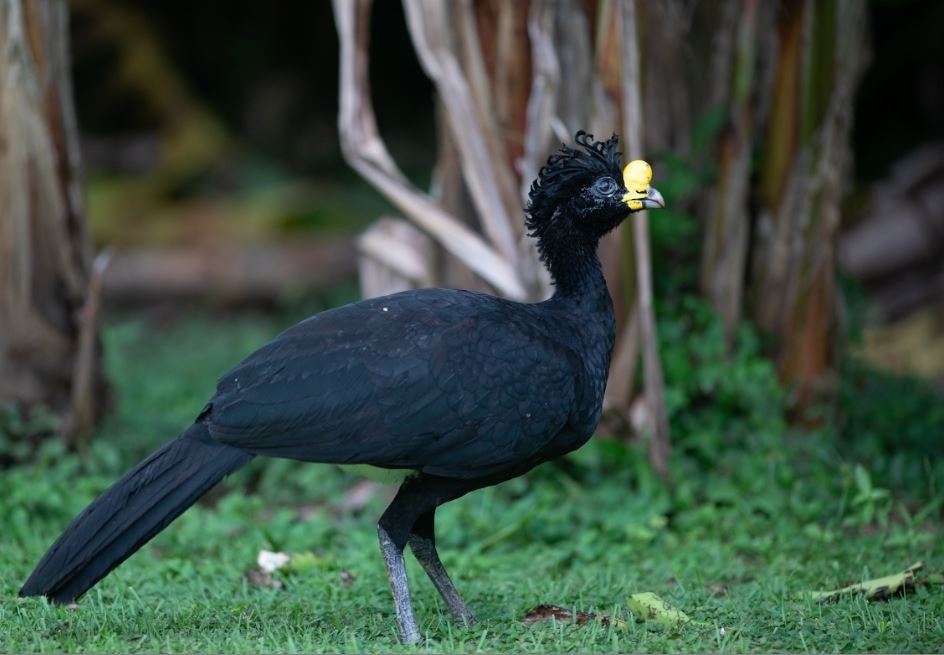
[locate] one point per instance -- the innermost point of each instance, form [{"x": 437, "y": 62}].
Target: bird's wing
[{"x": 451, "y": 383}]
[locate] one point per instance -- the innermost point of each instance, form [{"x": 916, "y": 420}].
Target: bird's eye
[{"x": 606, "y": 186}]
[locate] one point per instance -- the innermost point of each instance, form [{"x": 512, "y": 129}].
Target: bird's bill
[{"x": 653, "y": 199}]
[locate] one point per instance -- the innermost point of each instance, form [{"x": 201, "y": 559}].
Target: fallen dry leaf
[
  {"x": 546, "y": 612},
  {"x": 647, "y": 606},
  {"x": 876, "y": 589},
  {"x": 259, "y": 578}
]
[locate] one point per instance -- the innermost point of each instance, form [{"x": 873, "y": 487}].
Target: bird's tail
[{"x": 131, "y": 512}]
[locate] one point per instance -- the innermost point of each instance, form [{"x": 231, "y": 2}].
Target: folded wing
[{"x": 447, "y": 382}]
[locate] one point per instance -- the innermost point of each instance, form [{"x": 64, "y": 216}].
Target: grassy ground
[{"x": 757, "y": 517}]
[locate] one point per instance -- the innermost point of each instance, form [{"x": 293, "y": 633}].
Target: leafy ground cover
[{"x": 759, "y": 514}]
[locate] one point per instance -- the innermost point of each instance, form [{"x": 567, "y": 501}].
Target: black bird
[{"x": 459, "y": 390}]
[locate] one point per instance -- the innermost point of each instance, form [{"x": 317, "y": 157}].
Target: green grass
[{"x": 757, "y": 516}]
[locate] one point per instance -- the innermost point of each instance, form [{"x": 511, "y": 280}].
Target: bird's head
[
  {"x": 580, "y": 195},
  {"x": 583, "y": 191}
]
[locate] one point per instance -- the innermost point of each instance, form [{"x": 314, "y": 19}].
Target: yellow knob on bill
[{"x": 636, "y": 177}]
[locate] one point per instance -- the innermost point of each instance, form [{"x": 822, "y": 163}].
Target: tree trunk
[
  {"x": 724, "y": 253},
  {"x": 48, "y": 337},
  {"x": 805, "y": 155},
  {"x": 783, "y": 82}
]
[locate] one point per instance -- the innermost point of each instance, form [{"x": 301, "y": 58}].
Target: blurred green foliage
[
  {"x": 19, "y": 432},
  {"x": 727, "y": 396}
]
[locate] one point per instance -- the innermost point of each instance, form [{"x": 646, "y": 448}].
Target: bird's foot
[
  {"x": 409, "y": 632},
  {"x": 463, "y": 617}
]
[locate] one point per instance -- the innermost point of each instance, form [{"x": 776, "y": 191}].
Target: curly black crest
[{"x": 566, "y": 172}]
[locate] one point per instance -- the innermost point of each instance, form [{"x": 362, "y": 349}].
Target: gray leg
[
  {"x": 423, "y": 544},
  {"x": 418, "y": 497},
  {"x": 396, "y": 572}
]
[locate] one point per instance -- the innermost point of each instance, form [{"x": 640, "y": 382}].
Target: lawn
[{"x": 759, "y": 514}]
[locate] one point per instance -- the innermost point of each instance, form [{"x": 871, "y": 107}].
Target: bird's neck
[
  {"x": 582, "y": 303},
  {"x": 577, "y": 274}
]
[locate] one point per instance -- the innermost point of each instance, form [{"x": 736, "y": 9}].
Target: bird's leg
[
  {"x": 416, "y": 497},
  {"x": 399, "y": 586},
  {"x": 423, "y": 544}
]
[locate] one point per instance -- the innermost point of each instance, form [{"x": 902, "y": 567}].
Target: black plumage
[{"x": 463, "y": 389}]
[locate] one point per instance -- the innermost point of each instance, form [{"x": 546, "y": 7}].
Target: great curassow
[{"x": 458, "y": 390}]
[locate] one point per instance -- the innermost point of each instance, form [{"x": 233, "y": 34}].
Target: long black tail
[{"x": 131, "y": 512}]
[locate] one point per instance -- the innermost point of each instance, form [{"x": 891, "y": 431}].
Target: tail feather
[{"x": 131, "y": 512}]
